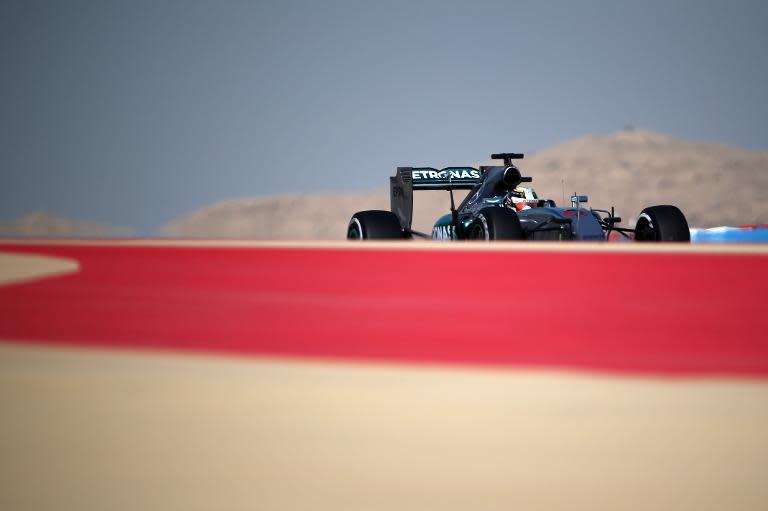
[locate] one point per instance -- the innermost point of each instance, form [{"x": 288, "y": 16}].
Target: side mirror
[{"x": 578, "y": 199}]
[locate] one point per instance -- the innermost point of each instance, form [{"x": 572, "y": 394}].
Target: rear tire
[
  {"x": 662, "y": 223},
  {"x": 496, "y": 223},
  {"x": 374, "y": 225}
]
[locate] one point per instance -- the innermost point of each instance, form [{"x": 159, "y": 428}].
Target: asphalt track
[{"x": 189, "y": 375}]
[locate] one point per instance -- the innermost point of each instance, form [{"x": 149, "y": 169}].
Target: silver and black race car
[{"x": 498, "y": 208}]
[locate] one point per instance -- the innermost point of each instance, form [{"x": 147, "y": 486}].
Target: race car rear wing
[
  {"x": 408, "y": 179},
  {"x": 449, "y": 178}
]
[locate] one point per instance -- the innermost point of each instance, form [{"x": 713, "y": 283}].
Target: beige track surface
[
  {"x": 98, "y": 430},
  {"x": 15, "y": 267}
]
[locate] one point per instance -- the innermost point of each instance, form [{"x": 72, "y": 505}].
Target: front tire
[
  {"x": 662, "y": 223},
  {"x": 374, "y": 225},
  {"x": 496, "y": 223}
]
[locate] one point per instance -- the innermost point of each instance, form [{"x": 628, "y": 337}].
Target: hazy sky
[{"x": 132, "y": 112}]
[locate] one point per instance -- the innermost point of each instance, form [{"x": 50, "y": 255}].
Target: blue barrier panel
[{"x": 730, "y": 235}]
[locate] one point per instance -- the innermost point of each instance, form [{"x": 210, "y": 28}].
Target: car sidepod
[{"x": 560, "y": 224}]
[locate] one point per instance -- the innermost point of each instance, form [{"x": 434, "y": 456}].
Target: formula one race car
[{"x": 498, "y": 208}]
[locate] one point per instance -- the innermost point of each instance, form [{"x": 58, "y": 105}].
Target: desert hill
[
  {"x": 40, "y": 223},
  {"x": 713, "y": 184}
]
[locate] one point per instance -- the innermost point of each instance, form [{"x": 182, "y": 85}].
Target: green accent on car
[{"x": 443, "y": 220}]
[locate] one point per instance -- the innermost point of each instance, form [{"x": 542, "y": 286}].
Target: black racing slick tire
[
  {"x": 374, "y": 225},
  {"x": 662, "y": 223},
  {"x": 495, "y": 223}
]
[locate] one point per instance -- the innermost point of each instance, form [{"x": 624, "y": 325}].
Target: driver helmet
[{"x": 522, "y": 198}]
